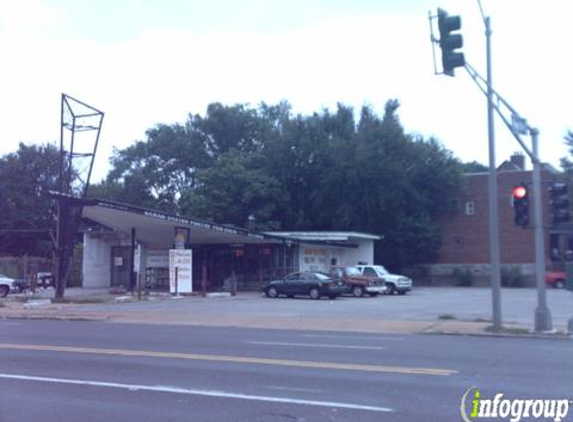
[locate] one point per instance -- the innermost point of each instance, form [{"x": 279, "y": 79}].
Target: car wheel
[
  {"x": 4, "y": 290},
  {"x": 357, "y": 291},
  {"x": 390, "y": 289},
  {"x": 272, "y": 292},
  {"x": 314, "y": 293},
  {"x": 559, "y": 284}
]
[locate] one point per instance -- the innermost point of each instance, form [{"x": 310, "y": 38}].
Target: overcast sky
[{"x": 145, "y": 62}]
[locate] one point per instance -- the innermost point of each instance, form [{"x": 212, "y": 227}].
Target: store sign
[
  {"x": 137, "y": 259},
  {"x": 180, "y": 271},
  {"x": 157, "y": 258},
  {"x": 181, "y": 237}
]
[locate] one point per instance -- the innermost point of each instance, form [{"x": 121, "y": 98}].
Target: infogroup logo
[{"x": 474, "y": 407}]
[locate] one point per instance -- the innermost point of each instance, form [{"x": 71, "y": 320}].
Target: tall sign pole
[
  {"x": 495, "y": 260},
  {"x": 80, "y": 127}
]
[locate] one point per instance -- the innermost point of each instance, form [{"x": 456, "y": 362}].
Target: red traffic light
[{"x": 519, "y": 192}]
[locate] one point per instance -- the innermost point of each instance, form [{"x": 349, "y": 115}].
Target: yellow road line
[{"x": 233, "y": 359}]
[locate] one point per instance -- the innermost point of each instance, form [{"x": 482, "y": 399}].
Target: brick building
[{"x": 465, "y": 228}]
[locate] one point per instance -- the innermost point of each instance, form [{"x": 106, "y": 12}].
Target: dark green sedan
[{"x": 311, "y": 284}]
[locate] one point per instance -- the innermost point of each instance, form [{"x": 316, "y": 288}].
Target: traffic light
[
  {"x": 449, "y": 42},
  {"x": 559, "y": 203},
  {"x": 520, "y": 197}
]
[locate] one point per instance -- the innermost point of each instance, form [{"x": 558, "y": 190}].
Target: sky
[{"x": 145, "y": 62}]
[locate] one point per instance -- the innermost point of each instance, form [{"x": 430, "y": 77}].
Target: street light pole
[{"x": 493, "y": 200}]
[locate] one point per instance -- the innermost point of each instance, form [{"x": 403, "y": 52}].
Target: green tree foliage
[
  {"x": 233, "y": 189},
  {"x": 26, "y": 177},
  {"x": 566, "y": 163},
  {"x": 474, "y": 167},
  {"x": 567, "y": 166},
  {"x": 325, "y": 171}
]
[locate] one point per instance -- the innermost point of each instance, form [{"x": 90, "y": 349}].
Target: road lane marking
[
  {"x": 354, "y": 338},
  {"x": 331, "y": 346},
  {"x": 300, "y": 390},
  {"x": 194, "y": 392},
  {"x": 234, "y": 359}
]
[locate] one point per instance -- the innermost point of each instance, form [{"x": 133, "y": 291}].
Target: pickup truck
[
  {"x": 7, "y": 285},
  {"x": 395, "y": 283},
  {"x": 357, "y": 284}
]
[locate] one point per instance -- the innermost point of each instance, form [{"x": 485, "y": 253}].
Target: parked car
[
  {"x": 394, "y": 283},
  {"x": 7, "y": 285},
  {"x": 357, "y": 283},
  {"x": 312, "y": 284},
  {"x": 556, "y": 279}
]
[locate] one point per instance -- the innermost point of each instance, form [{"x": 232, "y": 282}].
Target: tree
[
  {"x": 27, "y": 210},
  {"x": 235, "y": 188},
  {"x": 325, "y": 171},
  {"x": 474, "y": 167},
  {"x": 158, "y": 170},
  {"x": 164, "y": 168}
]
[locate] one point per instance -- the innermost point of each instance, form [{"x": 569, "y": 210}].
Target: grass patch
[
  {"x": 81, "y": 300},
  {"x": 24, "y": 299},
  {"x": 508, "y": 330},
  {"x": 446, "y": 317},
  {"x": 482, "y": 320}
]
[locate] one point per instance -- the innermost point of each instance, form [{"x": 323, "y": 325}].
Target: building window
[
  {"x": 470, "y": 208},
  {"x": 454, "y": 206}
]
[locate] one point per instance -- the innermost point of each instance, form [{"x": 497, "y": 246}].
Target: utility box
[{"x": 569, "y": 278}]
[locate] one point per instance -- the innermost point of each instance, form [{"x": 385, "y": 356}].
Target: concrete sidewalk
[
  {"x": 118, "y": 315},
  {"x": 247, "y": 310}
]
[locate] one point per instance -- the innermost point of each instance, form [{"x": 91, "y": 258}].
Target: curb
[
  {"x": 557, "y": 336},
  {"x": 391, "y": 327}
]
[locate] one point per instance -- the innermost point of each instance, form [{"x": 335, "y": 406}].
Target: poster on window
[{"x": 180, "y": 271}]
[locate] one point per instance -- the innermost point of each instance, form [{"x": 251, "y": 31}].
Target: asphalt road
[{"x": 94, "y": 371}]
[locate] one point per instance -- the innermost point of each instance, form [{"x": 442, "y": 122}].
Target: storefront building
[{"x": 125, "y": 245}]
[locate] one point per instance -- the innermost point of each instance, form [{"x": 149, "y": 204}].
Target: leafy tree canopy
[
  {"x": 332, "y": 170},
  {"x": 26, "y": 177}
]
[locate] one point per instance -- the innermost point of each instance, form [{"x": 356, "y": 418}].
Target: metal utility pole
[
  {"x": 542, "y": 314},
  {"x": 495, "y": 260}
]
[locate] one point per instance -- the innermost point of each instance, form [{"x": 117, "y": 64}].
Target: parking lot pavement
[{"x": 435, "y": 309}]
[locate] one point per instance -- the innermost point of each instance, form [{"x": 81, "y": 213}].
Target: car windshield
[
  {"x": 381, "y": 270},
  {"x": 352, "y": 271}
]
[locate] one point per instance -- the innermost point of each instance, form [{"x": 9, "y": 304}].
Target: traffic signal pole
[
  {"x": 495, "y": 259},
  {"x": 449, "y": 42},
  {"x": 517, "y": 126},
  {"x": 542, "y": 314}
]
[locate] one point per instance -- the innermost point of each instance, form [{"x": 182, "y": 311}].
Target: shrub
[
  {"x": 464, "y": 277},
  {"x": 512, "y": 277}
]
